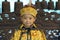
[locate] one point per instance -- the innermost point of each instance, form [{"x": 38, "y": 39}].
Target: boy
[{"x": 28, "y": 30}]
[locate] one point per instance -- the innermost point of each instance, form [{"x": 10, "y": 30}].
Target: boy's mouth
[{"x": 28, "y": 23}]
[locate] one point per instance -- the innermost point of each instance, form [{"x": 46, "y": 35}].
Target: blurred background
[{"x": 48, "y": 17}]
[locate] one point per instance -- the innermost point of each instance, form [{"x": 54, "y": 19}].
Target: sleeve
[
  {"x": 16, "y": 35},
  {"x": 42, "y": 35}
]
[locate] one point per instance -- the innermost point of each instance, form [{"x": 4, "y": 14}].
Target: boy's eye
[
  {"x": 25, "y": 18},
  {"x": 30, "y": 18}
]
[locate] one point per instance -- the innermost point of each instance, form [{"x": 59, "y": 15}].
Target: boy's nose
[{"x": 28, "y": 20}]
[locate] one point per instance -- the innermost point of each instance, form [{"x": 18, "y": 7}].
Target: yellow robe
[{"x": 35, "y": 35}]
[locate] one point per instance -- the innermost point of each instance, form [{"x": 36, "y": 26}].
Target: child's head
[{"x": 28, "y": 16}]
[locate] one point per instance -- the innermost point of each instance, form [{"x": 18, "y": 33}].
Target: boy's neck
[{"x": 28, "y": 26}]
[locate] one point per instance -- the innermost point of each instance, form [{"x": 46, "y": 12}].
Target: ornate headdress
[{"x": 28, "y": 10}]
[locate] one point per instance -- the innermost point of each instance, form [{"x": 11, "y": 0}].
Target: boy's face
[{"x": 27, "y": 20}]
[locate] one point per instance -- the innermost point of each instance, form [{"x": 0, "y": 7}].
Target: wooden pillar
[
  {"x": 5, "y": 6},
  {"x": 51, "y": 5},
  {"x": 44, "y": 4},
  {"x": 58, "y": 5},
  {"x": 18, "y": 5},
  {"x": 38, "y": 4}
]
